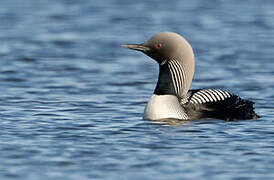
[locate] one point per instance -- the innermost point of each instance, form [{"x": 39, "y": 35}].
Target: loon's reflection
[{"x": 170, "y": 122}]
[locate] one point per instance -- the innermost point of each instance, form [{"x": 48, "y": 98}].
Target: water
[{"x": 72, "y": 98}]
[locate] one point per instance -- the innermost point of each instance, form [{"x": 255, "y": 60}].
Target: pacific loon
[{"x": 172, "y": 97}]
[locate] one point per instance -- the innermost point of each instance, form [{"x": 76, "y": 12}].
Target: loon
[{"x": 172, "y": 98}]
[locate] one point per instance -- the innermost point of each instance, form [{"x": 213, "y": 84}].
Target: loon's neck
[
  {"x": 172, "y": 80},
  {"x": 164, "y": 84}
]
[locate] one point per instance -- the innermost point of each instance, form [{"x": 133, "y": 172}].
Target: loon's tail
[
  {"x": 210, "y": 103},
  {"x": 252, "y": 114},
  {"x": 242, "y": 109}
]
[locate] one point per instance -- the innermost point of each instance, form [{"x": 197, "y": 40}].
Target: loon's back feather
[{"x": 215, "y": 103}]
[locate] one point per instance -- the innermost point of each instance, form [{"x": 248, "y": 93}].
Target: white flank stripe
[
  {"x": 211, "y": 94},
  {"x": 218, "y": 94},
  {"x": 227, "y": 93},
  {"x": 223, "y": 93},
  {"x": 207, "y": 95},
  {"x": 199, "y": 98},
  {"x": 203, "y": 96},
  {"x": 193, "y": 101}
]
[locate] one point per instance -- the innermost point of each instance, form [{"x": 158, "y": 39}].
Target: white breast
[{"x": 163, "y": 107}]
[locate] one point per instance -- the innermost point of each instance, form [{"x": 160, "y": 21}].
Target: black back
[{"x": 231, "y": 107}]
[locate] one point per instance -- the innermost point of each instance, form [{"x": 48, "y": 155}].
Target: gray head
[{"x": 176, "y": 60}]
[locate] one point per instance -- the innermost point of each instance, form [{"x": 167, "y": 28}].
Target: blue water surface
[{"x": 72, "y": 99}]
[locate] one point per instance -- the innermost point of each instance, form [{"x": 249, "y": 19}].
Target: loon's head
[{"x": 176, "y": 59}]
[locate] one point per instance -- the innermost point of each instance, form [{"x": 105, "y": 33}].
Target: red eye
[{"x": 159, "y": 45}]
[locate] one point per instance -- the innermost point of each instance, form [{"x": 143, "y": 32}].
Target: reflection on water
[
  {"x": 170, "y": 122},
  {"x": 72, "y": 99}
]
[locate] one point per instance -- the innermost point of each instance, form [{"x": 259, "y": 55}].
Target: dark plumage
[{"x": 231, "y": 108}]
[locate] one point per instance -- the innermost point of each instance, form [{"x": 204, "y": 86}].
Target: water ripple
[{"x": 72, "y": 99}]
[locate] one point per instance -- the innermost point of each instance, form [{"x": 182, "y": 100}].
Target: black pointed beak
[{"x": 137, "y": 47}]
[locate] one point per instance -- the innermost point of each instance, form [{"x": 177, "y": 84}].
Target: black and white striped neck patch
[
  {"x": 178, "y": 76},
  {"x": 209, "y": 95}
]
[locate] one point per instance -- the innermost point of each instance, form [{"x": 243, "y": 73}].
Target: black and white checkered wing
[
  {"x": 216, "y": 103},
  {"x": 204, "y": 96}
]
